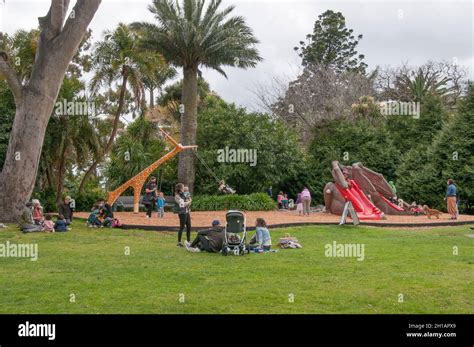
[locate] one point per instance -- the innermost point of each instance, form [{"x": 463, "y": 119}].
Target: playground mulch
[{"x": 203, "y": 219}]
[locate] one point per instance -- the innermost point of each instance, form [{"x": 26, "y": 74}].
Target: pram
[{"x": 235, "y": 233}]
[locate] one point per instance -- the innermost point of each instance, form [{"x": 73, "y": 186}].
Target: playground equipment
[
  {"x": 368, "y": 191},
  {"x": 137, "y": 181}
]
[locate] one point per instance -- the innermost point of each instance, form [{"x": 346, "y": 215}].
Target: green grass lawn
[{"x": 92, "y": 265}]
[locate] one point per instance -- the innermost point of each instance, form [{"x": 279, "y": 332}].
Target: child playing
[
  {"x": 262, "y": 238},
  {"x": 48, "y": 225},
  {"x": 284, "y": 201},
  {"x": 93, "y": 219},
  {"x": 224, "y": 188},
  {"x": 160, "y": 203},
  {"x": 60, "y": 224},
  {"x": 299, "y": 205}
]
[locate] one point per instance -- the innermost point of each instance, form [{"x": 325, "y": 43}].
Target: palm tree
[
  {"x": 190, "y": 36},
  {"x": 118, "y": 59},
  {"x": 157, "y": 80},
  {"x": 417, "y": 84}
]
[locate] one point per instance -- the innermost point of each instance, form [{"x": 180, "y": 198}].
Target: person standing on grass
[
  {"x": 451, "y": 199},
  {"x": 150, "y": 196},
  {"x": 306, "y": 199},
  {"x": 183, "y": 208}
]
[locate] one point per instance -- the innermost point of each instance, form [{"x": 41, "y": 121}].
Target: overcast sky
[{"x": 394, "y": 32}]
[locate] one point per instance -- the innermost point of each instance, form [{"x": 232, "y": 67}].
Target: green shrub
[
  {"x": 252, "y": 202},
  {"x": 84, "y": 201},
  {"x": 47, "y": 199}
]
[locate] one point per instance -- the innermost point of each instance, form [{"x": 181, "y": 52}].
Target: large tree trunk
[
  {"x": 35, "y": 101},
  {"x": 111, "y": 140},
  {"x": 186, "y": 169},
  {"x": 17, "y": 179}
]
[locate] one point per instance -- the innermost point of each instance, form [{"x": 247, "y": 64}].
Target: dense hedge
[{"x": 251, "y": 202}]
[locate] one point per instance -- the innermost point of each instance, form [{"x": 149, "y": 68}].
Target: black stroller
[{"x": 235, "y": 233}]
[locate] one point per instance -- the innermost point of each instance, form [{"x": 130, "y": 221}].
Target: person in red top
[
  {"x": 280, "y": 197},
  {"x": 37, "y": 212}
]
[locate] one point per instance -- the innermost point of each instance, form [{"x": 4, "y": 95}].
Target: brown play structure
[
  {"x": 367, "y": 190},
  {"x": 137, "y": 181}
]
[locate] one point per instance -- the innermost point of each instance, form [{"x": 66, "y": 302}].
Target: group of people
[
  {"x": 101, "y": 215},
  {"x": 153, "y": 199},
  {"x": 32, "y": 218},
  {"x": 451, "y": 198},
  {"x": 212, "y": 240},
  {"x": 303, "y": 201}
]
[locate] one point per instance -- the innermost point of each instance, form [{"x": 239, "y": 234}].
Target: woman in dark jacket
[{"x": 182, "y": 207}]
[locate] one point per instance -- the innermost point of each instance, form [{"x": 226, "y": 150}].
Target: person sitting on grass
[
  {"x": 26, "y": 222},
  {"x": 61, "y": 224},
  {"x": 209, "y": 240},
  {"x": 93, "y": 219},
  {"x": 66, "y": 209},
  {"x": 262, "y": 238},
  {"x": 37, "y": 212},
  {"x": 106, "y": 214},
  {"x": 48, "y": 225}
]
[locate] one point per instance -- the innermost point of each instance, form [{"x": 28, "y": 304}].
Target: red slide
[{"x": 362, "y": 205}]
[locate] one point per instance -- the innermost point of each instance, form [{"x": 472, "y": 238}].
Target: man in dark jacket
[
  {"x": 66, "y": 210},
  {"x": 106, "y": 211},
  {"x": 209, "y": 240}
]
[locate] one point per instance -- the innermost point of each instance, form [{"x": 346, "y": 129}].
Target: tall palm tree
[
  {"x": 118, "y": 59},
  {"x": 191, "y": 35}
]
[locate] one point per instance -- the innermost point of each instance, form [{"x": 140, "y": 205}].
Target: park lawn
[{"x": 92, "y": 265}]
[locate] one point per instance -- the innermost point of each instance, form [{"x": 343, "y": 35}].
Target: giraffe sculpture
[{"x": 137, "y": 181}]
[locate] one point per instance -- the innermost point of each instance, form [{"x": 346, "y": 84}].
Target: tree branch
[
  {"x": 52, "y": 24},
  {"x": 77, "y": 23},
  {"x": 57, "y": 16},
  {"x": 12, "y": 78}
]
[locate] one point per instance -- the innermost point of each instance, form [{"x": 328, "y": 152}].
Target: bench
[{"x": 125, "y": 203}]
